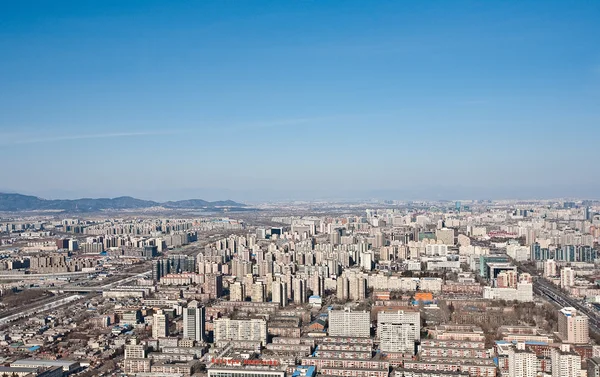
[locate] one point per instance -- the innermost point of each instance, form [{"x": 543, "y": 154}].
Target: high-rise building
[
  {"x": 565, "y": 363},
  {"x": 352, "y": 285},
  {"x": 160, "y": 325},
  {"x": 299, "y": 292},
  {"x": 237, "y": 292},
  {"x": 317, "y": 285},
  {"x": 279, "y": 292},
  {"x": 357, "y": 287},
  {"x": 573, "y": 327},
  {"x": 398, "y": 331},
  {"x": 227, "y": 329},
  {"x": 521, "y": 363},
  {"x": 258, "y": 292},
  {"x": 349, "y": 323},
  {"x": 193, "y": 321},
  {"x": 549, "y": 268},
  {"x": 567, "y": 277}
]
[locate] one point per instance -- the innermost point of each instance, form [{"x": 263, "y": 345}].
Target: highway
[{"x": 550, "y": 292}]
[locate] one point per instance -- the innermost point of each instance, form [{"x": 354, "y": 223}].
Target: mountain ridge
[{"x": 13, "y": 202}]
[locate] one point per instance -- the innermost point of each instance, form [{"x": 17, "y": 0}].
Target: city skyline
[{"x": 272, "y": 101}]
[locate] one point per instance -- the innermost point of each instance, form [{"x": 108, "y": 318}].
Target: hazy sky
[{"x": 253, "y": 100}]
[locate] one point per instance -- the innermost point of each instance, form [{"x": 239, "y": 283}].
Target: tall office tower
[
  {"x": 258, "y": 292},
  {"x": 549, "y": 268},
  {"x": 567, "y": 277},
  {"x": 279, "y": 294},
  {"x": 398, "y": 331},
  {"x": 193, "y": 321},
  {"x": 299, "y": 290},
  {"x": 160, "y": 325},
  {"x": 521, "y": 363},
  {"x": 227, "y": 329},
  {"x": 573, "y": 327},
  {"x": 348, "y": 323},
  {"x": 237, "y": 292},
  {"x": 565, "y": 363}
]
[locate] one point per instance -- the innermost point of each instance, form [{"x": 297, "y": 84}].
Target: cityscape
[
  {"x": 339, "y": 188},
  {"x": 391, "y": 288}
]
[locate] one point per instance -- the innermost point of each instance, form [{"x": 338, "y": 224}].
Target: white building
[
  {"x": 246, "y": 329},
  {"x": 160, "y": 325},
  {"x": 398, "y": 331},
  {"x": 521, "y": 363},
  {"x": 348, "y": 323},
  {"x": 567, "y": 277},
  {"x": 565, "y": 363}
]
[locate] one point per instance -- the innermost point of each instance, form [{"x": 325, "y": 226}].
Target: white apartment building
[
  {"x": 565, "y": 363},
  {"x": 349, "y": 323},
  {"x": 398, "y": 331},
  {"x": 567, "y": 277},
  {"x": 234, "y": 329},
  {"x": 521, "y": 363}
]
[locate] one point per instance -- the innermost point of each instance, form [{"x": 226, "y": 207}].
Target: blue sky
[{"x": 308, "y": 99}]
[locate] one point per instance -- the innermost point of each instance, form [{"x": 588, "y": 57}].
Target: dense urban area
[{"x": 377, "y": 289}]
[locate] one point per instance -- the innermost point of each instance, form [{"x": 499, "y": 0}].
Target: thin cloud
[
  {"x": 15, "y": 140},
  {"x": 297, "y": 121}
]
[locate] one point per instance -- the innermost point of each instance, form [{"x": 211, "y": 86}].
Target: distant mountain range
[{"x": 18, "y": 202}]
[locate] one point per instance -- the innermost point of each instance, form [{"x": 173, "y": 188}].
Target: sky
[{"x": 275, "y": 100}]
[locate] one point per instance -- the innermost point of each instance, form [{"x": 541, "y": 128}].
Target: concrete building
[
  {"x": 193, "y": 321},
  {"x": 349, "y": 323},
  {"x": 237, "y": 292},
  {"x": 279, "y": 292},
  {"x": 258, "y": 292},
  {"x": 234, "y": 329},
  {"x": 135, "y": 350},
  {"x": 573, "y": 327},
  {"x": 550, "y": 269},
  {"x": 567, "y": 277},
  {"x": 160, "y": 325},
  {"x": 521, "y": 363},
  {"x": 398, "y": 331},
  {"x": 445, "y": 236},
  {"x": 565, "y": 363}
]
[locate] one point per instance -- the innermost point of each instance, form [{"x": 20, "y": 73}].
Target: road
[{"x": 550, "y": 292}]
